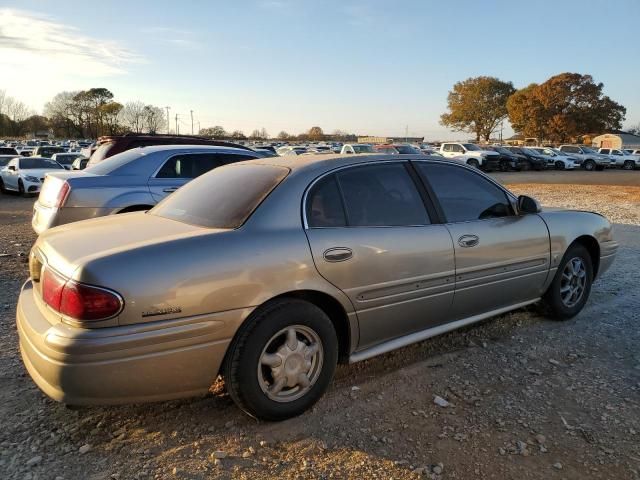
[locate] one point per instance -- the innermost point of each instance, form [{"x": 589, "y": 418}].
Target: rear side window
[
  {"x": 224, "y": 197},
  {"x": 381, "y": 195},
  {"x": 193, "y": 165},
  {"x": 324, "y": 205},
  {"x": 463, "y": 194}
]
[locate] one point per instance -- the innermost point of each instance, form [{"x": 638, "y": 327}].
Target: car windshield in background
[
  {"x": 4, "y": 161},
  {"x": 31, "y": 163},
  {"x": 65, "y": 160},
  {"x": 222, "y": 198},
  {"x": 363, "y": 149},
  {"x": 471, "y": 146},
  {"x": 109, "y": 165},
  {"x": 589, "y": 150}
]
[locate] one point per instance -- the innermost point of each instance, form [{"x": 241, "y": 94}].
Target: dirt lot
[{"x": 527, "y": 397}]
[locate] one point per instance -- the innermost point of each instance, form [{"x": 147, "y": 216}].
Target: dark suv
[{"x": 111, "y": 145}]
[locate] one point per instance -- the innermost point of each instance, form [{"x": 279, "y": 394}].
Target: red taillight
[
  {"x": 76, "y": 300},
  {"x": 62, "y": 194}
]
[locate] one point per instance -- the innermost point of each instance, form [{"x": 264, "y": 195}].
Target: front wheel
[
  {"x": 282, "y": 360},
  {"x": 504, "y": 165},
  {"x": 472, "y": 162},
  {"x": 629, "y": 165},
  {"x": 571, "y": 285},
  {"x": 559, "y": 165},
  {"x": 2, "y": 187},
  {"x": 21, "y": 189},
  {"x": 589, "y": 165}
]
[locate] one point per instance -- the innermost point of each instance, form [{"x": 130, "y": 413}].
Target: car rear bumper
[{"x": 126, "y": 364}]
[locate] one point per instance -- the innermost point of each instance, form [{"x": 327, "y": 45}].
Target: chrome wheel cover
[
  {"x": 573, "y": 282},
  {"x": 290, "y": 363}
]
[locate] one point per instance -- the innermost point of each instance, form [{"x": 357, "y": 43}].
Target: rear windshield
[
  {"x": 110, "y": 164},
  {"x": 101, "y": 152},
  {"x": 222, "y": 198}
]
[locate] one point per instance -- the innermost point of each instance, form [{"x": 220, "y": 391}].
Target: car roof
[
  {"x": 331, "y": 161},
  {"x": 186, "y": 146}
]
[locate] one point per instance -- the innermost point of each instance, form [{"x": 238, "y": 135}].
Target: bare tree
[
  {"x": 133, "y": 116},
  {"x": 154, "y": 118}
]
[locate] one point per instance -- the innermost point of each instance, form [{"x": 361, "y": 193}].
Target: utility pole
[
  {"x": 406, "y": 134},
  {"x": 191, "y": 121},
  {"x": 168, "y": 124},
  {"x": 177, "y": 128}
]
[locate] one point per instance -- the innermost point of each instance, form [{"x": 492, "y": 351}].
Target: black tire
[
  {"x": 2, "y": 188},
  {"x": 21, "y": 189},
  {"x": 240, "y": 370},
  {"x": 589, "y": 165},
  {"x": 472, "y": 162},
  {"x": 629, "y": 165},
  {"x": 552, "y": 302},
  {"x": 504, "y": 165},
  {"x": 559, "y": 165},
  {"x": 525, "y": 166}
]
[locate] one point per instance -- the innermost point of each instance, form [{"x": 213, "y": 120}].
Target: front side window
[
  {"x": 381, "y": 195},
  {"x": 463, "y": 194},
  {"x": 604, "y": 150}
]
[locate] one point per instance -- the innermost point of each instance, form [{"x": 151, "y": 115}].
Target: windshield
[
  {"x": 588, "y": 150},
  {"x": 110, "y": 164},
  {"x": 31, "y": 163},
  {"x": 504, "y": 151},
  {"x": 223, "y": 198},
  {"x": 65, "y": 159},
  {"x": 4, "y": 161},
  {"x": 363, "y": 149},
  {"x": 471, "y": 146}
]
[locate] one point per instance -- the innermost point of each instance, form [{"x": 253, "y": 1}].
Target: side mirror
[
  {"x": 528, "y": 205},
  {"x": 12, "y": 168}
]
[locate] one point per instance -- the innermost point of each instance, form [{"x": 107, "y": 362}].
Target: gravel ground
[{"x": 517, "y": 397}]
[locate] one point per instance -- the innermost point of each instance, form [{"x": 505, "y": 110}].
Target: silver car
[
  {"x": 134, "y": 180},
  {"x": 270, "y": 272}
]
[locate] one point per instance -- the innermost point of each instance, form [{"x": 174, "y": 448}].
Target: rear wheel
[
  {"x": 629, "y": 165},
  {"x": 559, "y": 165},
  {"x": 571, "y": 285},
  {"x": 504, "y": 165},
  {"x": 472, "y": 162},
  {"x": 282, "y": 360},
  {"x": 589, "y": 165}
]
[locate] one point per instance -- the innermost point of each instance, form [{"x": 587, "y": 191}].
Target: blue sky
[{"x": 369, "y": 67}]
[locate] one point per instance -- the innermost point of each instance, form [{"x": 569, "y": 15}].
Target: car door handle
[
  {"x": 169, "y": 189},
  {"x": 467, "y": 241},
  {"x": 337, "y": 254}
]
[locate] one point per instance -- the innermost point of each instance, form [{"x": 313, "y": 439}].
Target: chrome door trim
[{"x": 430, "y": 332}]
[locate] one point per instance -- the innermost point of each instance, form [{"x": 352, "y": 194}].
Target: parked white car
[
  {"x": 471, "y": 154},
  {"x": 620, "y": 158},
  {"x": 556, "y": 158},
  {"x": 356, "y": 148},
  {"x": 26, "y": 174},
  {"x": 586, "y": 157}
]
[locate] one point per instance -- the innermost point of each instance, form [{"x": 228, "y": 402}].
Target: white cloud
[
  {"x": 173, "y": 36},
  {"x": 32, "y": 43}
]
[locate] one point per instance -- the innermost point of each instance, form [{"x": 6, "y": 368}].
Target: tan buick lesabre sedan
[{"x": 270, "y": 272}]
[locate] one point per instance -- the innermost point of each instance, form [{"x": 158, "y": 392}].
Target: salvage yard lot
[{"x": 526, "y": 397}]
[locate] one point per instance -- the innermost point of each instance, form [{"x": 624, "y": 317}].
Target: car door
[
  {"x": 181, "y": 168},
  {"x": 371, "y": 235},
  {"x": 501, "y": 258}
]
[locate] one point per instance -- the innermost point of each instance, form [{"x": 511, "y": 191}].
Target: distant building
[
  {"x": 520, "y": 140},
  {"x": 617, "y": 140},
  {"x": 385, "y": 140}
]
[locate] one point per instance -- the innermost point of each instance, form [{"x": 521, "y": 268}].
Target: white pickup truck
[
  {"x": 586, "y": 157},
  {"x": 620, "y": 158},
  {"x": 471, "y": 154}
]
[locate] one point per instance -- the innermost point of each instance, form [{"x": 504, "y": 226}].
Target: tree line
[
  {"x": 80, "y": 114},
  {"x": 563, "y": 108},
  {"x": 314, "y": 134}
]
